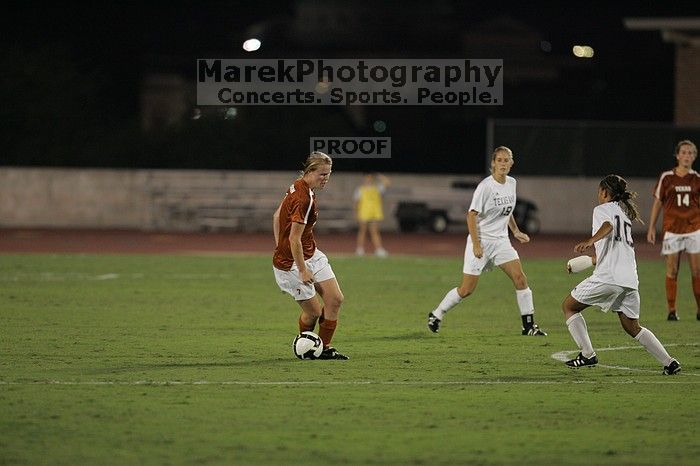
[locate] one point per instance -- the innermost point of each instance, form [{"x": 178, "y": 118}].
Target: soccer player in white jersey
[
  {"x": 614, "y": 283},
  {"x": 489, "y": 217}
]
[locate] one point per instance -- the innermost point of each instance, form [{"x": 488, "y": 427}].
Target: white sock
[
  {"x": 525, "y": 303},
  {"x": 451, "y": 299},
  {"x": 652, "y": 344},
  {"x": 579, "y": 332}
]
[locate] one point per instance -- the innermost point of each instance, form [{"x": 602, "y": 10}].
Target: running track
[{"x": 140, "y": 242}]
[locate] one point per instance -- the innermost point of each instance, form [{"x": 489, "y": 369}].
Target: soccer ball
[{"x": 307, "y": 345}]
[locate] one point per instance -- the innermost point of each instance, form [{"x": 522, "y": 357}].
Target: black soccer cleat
[
  {"x": 673, "y": 368},
  {"x": 332, "y": 353},
  {"x": 433, "y": 323},
  {"x": 535, "y": 330},
  {"x": 581, "y": 360},
  {"x": 672, "y": 316}
]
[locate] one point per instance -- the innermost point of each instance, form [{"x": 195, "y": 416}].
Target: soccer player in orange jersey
[
  {"x": 678, "y": 193},
  {"x": 300, "y": 268}
]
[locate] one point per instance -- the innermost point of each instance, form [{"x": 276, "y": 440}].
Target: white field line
[
  {"x": 559, "y": 356},
  {"x": 664, "y": 381},
  {"x": 566, "y": 355},
  {"x": 77, "y": 276}
]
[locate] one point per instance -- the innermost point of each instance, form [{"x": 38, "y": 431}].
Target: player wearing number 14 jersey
[
  {"x": 489, "y": 217},
  {"x": 678, "y": 193}
]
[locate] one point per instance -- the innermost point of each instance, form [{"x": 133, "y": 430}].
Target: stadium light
[
  {"x": 251, "y": 45},
  {"x": 583, "y": 51}
]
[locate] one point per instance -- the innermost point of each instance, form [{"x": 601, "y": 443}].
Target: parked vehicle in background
[{"x": 437, "y": 208}]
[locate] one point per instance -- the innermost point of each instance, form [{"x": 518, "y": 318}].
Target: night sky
[
  {"x": 104, "y": 49},
  {"x": 117, "y": 38}
]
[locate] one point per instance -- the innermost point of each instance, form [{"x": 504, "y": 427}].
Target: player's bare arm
[
  {"x": 580, "y": 263},
  {"x": 602, "y": 232},
  {"x": 651, "y": 232},
  {"x": 474, "y": 233},
  {"x": 298, "y": 252},
  {"x": 519, "y": 235},
  {"x": 276, "y": 224}
]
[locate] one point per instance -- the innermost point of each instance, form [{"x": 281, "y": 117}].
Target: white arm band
[{"x": 580, "y": 263}]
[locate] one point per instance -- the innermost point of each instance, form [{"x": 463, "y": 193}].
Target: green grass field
[{"x": 174, "y": 360}]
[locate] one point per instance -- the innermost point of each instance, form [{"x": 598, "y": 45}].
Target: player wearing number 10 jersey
[
  {"x": 613, "y": 285},
  {"x": 678, "y": 193}
]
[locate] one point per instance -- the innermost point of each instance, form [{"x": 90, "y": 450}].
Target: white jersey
[
  {"x": 495, "y": 203},
  {"x": 615, "y": 262}
]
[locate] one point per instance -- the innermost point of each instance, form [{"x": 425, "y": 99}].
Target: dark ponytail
[{"x": 616, "y": 187}]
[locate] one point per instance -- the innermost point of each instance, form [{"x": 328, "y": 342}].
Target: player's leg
[
  {"x": 332, "y": 300},
  {"x": 376, "y": 239},
  {"x": 628, "y": 311},
  {"x": 473, "y": 266},
  {"x": 326, "y": 285},
  {"x": 303, "y": 293},
  {"x": 649, "y": 341},
  {"x": 455, "y": 295},
  {"x": 523, "y": 295},
  {"x": 579, "y": 332},
  {"x": 694, "y": 260},
  {"x": 451, "y": 299},
  {"x": 310, "y": 313},
  {"x": 468, "y": 285},
  {"x": 672, "y": 264},
  {"x": 361, "y": 233},
  {"x": 332, "y": 296}
]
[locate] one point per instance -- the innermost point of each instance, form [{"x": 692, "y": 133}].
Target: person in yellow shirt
[{"x": 369, "y": 212}]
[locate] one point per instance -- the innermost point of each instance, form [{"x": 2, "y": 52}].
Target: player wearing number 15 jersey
[
  {"x": 678, "y": 193},
  {"x": 489, "y": 217},
  {"x": 613, "y": 285}
]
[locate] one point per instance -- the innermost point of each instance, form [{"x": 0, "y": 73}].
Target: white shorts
[
  {"x": 290, "y": 282},
  {"x": 496, "y": 252},
  {"x": 608, "y": 297},
  {"x": 675, "y": 242}
]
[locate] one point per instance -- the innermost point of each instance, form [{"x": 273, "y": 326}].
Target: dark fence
[{"x": 588, "y": 148}]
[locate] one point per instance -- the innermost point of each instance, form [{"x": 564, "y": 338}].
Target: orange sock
[
  {"x": 305, "y": 327},
  {"x": 326, "y": 329},
  {"x": 696, "y": 291},
  {"x": 671, "y": 287}
]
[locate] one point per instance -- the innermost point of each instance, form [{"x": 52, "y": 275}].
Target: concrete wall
[
  {"x": 73, "y": 198},
  {"x": 566, "y": 204},
  {"x": 159, "y": 199}
]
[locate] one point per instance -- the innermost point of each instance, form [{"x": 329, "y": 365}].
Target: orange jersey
[
  {"x": 680, "y": 198},
  {"x": 298, "y": 206}
]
